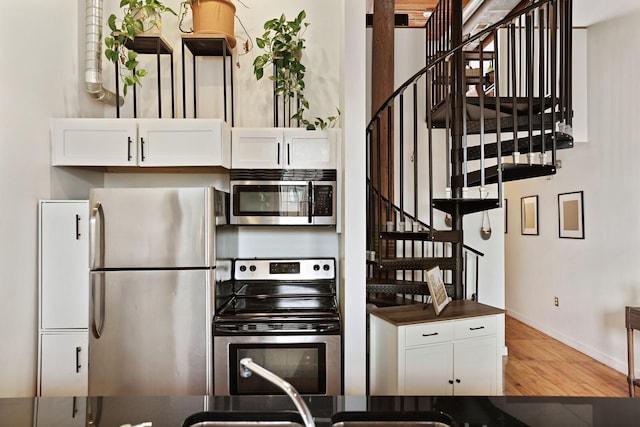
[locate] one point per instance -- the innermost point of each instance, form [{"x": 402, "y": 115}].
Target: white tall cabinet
[
  {"x": 414, "y": 352},
  {"x": 64, "y": 293}
]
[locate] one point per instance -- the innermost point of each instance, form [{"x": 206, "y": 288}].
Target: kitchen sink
[
  {"x": 243, "y": 419},
  {"x": 391, "y": 419}
]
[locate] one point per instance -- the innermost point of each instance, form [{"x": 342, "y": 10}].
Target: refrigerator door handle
[
  {"x": 97, "y": 327},
  {"x": 95, "y": 213}
]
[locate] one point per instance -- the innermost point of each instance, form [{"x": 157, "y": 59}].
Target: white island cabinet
[
  {"x": 64, "y": 297},
  {"x": 140, "y": 142},
  {"x": 284, "y": 148},
  {"x": 415, "y": 352}
]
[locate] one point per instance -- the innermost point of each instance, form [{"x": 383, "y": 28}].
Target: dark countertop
[
  {"x": 171, "y": 411},
  {"x": 409, "y": 314}
]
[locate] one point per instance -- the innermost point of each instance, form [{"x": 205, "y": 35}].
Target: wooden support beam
[{"x": 382, "y": 86}]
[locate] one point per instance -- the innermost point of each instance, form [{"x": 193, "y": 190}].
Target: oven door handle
[{"x": 310, "y": 201}]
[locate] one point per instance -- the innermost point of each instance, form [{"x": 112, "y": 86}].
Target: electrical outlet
[{"x": 555, "y": 301}]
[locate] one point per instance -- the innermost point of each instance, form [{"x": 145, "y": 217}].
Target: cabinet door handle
[
  {"x": 288, "y": 154},
  {"x": 78, "y": 366},
  {"x": 129, "y": 142},
  {"x": 450, "y": 381},
  {"x": 142, "y": 157},
  {"x": 475, "y": 329},
  {"x": 278, "y": 153},
  {"x": 74, "y": 408},
  {"x": 78, "y": 227},
  {"x": 433, "y": 334},
  {"x": 458, "y": 380}
]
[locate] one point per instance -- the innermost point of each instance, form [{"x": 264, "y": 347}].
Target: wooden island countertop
[{"x": 409, "y": 314}]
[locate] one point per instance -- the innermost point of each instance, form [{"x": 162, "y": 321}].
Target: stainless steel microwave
[{"x": 283, "y": 197}]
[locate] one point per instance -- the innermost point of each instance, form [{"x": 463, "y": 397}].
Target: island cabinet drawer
[
  {"x": 475, "y": 327},
  {"x": 428, "y": 333}
]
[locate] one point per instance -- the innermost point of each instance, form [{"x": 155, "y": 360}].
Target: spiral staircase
[{"x": 486, "y": 109}]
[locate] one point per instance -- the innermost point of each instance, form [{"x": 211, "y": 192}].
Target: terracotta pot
[{"x": 214, "y": 17}]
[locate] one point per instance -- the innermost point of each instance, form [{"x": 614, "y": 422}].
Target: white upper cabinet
[
  {"x": 140, "y": 142},
  {"x": 94, "y": 142},
  {"x": 283, "y": 148},
  {"x": 310, "y": 149},
  {"x": 184, "y": 142}
]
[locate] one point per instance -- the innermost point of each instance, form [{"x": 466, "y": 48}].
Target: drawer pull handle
[
  {"x": 430, "y": 335},
  {"x": 475, "y": 329}
]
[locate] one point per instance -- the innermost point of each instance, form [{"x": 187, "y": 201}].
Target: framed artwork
[
  {"x": 571, "y": 215},
  {"x": 437, "y": 290},
  {"x": 505, "y": 211},
  {"x": 529, "y": 217}
]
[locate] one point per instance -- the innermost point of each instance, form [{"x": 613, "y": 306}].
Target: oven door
[
  {"x": 283, "y": 202},
  {"x": 311, "y": 363}
]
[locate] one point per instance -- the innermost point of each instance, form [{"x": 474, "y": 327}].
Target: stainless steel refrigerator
[{"x": 155, "y": 256}]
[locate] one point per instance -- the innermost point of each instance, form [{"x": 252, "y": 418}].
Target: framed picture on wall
[
  {"x": 529, "y": 215},
  {"x": 571, "y": 215}
]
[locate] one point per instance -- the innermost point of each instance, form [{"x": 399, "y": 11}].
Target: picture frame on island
[{"x": 438, "y": 292}]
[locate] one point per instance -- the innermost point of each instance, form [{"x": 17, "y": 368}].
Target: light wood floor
[{"x": 538, "y": 365}]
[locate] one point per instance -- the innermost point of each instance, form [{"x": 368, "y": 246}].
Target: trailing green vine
[
  {"x": 138, "y": 17},
  {"x": 283, "y": 44}
]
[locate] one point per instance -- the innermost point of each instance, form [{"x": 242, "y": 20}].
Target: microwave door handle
[{"x": 310, "y": 201}]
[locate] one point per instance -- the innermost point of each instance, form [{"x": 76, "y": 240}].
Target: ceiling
[{"x": 585, "y": 12}]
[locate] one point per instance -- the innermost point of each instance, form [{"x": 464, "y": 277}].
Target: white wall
[
  {"x": 596, "y": 277},
  {"x": 38, "y": 75},
  {"x": 253, "y": 99},
  {"x": 352, "y": 262}
]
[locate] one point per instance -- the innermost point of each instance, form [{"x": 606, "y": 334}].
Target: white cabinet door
[
  {"x": 184, "y": 142},
  {"x": 283, "y": 148},
  {"x": 93, "y": 142},
  {"x": 307, "y": 149},
  {"x": 64, "y": 264},
  {"x": 67, "y": 412},
  {"x": 428, "y": 371},
  {"x": 475, "y": 366},
  {"x": 257, "y": 148},
  {"x": 63, "y": 366}
]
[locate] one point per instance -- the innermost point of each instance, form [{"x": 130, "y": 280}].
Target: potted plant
[
  {"x": 140, "y": 16},
  {"x": 212, "y": 17},
  {"x": 283, "y": 45}
]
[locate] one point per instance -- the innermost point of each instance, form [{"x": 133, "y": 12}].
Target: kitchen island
[{"x": 465, "y": 410}]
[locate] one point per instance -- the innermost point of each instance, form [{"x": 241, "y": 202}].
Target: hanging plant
[
  {"x": 283, "y": 45},
  {"x": 139, "y": 16}
]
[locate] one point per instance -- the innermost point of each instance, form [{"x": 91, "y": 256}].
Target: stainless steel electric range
[{"x": 282, "y": 313}]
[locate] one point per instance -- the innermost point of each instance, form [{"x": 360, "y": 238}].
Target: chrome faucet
[{"x": 247, "y": 365}]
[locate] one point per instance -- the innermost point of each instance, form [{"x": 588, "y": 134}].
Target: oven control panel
[{"x": 285, "y": 269}]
